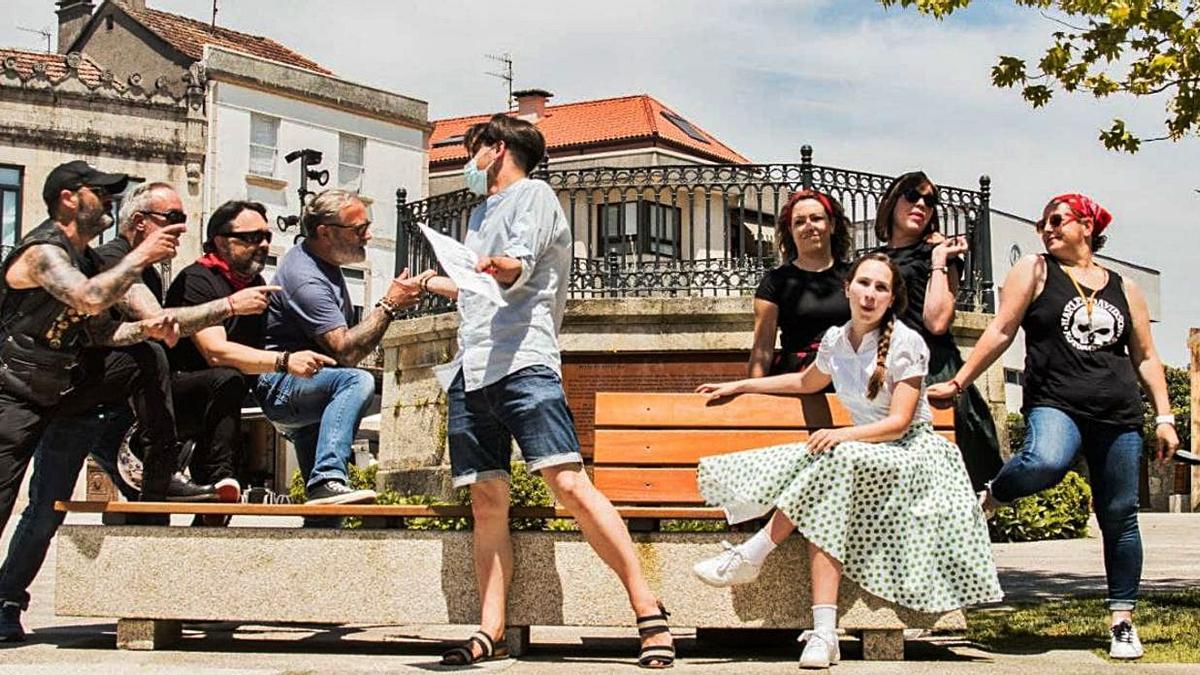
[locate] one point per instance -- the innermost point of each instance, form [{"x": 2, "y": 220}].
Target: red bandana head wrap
[
  {"x": 1084, "y": 207},
  {"x": 215, "y": 263}
]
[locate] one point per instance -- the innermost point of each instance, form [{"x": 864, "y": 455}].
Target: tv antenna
[
  {"x": 214, "y": 14},
  {"x": 45, "y": 33},
  {"x": 506, "y": 73}
]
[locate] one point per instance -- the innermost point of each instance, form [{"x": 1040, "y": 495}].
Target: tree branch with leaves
[{"x": 1143, "y": 48}]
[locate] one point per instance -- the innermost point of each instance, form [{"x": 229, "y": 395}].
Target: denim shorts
[{"x": 528, "y": 406}]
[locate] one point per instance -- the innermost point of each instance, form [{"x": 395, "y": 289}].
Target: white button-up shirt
[
  {"x": 851, "y": 369},
  {"x": 524, "y": 221}
]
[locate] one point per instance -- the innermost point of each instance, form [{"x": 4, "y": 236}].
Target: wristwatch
[
  {"x": 1164, "y": 419},
  {"x": 388, "y": 308}
]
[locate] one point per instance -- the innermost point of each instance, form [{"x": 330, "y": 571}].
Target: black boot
[
  {"x": 180, "y": 489},
  {"x": 10, "y": 622}
]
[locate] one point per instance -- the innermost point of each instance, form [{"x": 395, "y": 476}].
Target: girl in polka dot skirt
[{"x": 887, "y": 502}]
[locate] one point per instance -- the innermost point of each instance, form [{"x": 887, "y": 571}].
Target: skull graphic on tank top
[{"x": 1106, "y": 326}]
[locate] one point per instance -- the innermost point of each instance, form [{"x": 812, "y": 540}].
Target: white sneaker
[
  {"x": 728, "y": 568},
  {"x": 820, "y": 649},
  {"x": 1125, "y": 643}
]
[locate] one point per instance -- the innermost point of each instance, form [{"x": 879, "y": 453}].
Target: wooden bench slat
[
  {"x": 366, "y": 510},
  {"x": 675, "y": 447},
  {"x": 662, "y": 447},
  {"x": 626, "y": 485},
  {"x": 745, "y": 411}
]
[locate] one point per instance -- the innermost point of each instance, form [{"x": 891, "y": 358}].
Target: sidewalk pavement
[{"x": 1033, "y": 571}]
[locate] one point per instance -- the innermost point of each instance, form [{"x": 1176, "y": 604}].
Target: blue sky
[{"x": 872, "y": 89}]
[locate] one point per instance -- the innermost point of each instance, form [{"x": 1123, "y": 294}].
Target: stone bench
[{"x": 645, "y": 453}]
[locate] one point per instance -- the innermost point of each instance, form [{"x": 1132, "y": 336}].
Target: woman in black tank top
[
  {"x": 805, "y": 296},
  {"x": 932, "y": 268},
  {"x": 1087, "y": 344}
]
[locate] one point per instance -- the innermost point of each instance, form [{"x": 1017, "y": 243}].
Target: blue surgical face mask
[{"x": 477, "y": 180}]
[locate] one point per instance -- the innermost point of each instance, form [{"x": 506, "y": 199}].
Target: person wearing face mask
[
  {"x": 932, "y": 266},
  {"x": 508, "y": 385},
  {"x": 319, "y": 405},
  {"x": 805, "y": 295},
  {"x": 1087, "y": 346},
  {"x": 885, "y": 502}
]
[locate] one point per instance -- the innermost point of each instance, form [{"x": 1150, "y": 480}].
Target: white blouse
[{"x": 851, "y": 370}]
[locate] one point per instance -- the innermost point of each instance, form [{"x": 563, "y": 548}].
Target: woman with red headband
[
  {"x": 804, "y": 296},
  {"x": 1087, "y": 344},
  {"x": 932, "y": 265}
]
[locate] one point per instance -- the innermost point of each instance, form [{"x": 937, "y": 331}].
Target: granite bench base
[{"x": 152, "y": 579}]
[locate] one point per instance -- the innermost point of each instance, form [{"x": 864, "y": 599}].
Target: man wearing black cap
[{"x": 53, "y": 302}]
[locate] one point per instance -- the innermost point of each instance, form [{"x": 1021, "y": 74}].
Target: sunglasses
[
  {"x": 101, "y": 193},
  {"x": 172, "y": 217},
  {"x": 359, "y": 230},
  {"x": 1055, "y": 220},
  {"x": 914, "y": 196},
  {"x": 253, "y": 237}
]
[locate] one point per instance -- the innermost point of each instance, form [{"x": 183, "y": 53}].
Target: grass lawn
[{"x": 1167, "y": 623}]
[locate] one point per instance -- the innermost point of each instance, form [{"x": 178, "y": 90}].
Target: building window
[
  {"x": 457, "y": 139},
  {"x": 638, "y": 227},
  {"x": 686, "y": 127},
  {"x": 264, "y": 144},
  {"x": 751, "y": 233},
  {"x": 10, "y": 205},
  {"x": 350, "y": 161},
  {"x": 1014, "y": 376}
]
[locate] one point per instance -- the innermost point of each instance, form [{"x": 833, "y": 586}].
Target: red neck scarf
[{"x": 215, "y": 263}]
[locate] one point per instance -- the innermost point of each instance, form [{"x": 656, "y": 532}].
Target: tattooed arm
[
  {"x": 108, "y": 332},
  {"x": 50, "y": 268},
  {"x": 140, "y": 303},
  {"x": 351, "y": 345}
]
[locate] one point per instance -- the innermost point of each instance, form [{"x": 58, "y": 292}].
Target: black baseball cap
[{"x": 76, "y": 174}]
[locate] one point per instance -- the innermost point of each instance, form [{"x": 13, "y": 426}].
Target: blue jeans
[
  {"x": 529, "y": 406},
  {"x": 1113, "y": 453},
  {"x": 320, "y": 415},
  {"x": 56, "y": 463}
]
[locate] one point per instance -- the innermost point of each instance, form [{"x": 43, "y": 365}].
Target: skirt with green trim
[{"x": 900, "y": 516}]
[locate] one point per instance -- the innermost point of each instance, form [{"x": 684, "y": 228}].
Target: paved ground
[{"x": 1029, "y": 571}]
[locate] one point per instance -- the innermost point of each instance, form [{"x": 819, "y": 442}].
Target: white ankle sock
[
  {"x": 824, "y": 617},
  {"x": 757, "y": 548}
]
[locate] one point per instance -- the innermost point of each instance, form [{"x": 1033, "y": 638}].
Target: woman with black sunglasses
[
  {"x": 932, "y": 266},
  {"x": 1087, "y": 344}
]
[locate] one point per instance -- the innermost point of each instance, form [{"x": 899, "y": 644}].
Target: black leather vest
[{"x": 41, "y": 338}]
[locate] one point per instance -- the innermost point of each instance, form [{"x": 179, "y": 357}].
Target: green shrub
[{"x": 1060, "y": 512}]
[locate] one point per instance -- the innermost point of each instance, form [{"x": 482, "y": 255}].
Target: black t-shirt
[
  {"x": 110, "y": 254},
  {"x": 916, "y": 264},
  {"x": 809, "y": 304},
  {"x": 1079, "y": 363},
  {"x": 196, "y": 285}
]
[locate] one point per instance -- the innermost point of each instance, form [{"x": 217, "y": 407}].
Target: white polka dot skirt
[{"x": 899, "y": 516}]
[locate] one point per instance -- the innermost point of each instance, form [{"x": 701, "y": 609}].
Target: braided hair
[{"x": 887, "y": 324}]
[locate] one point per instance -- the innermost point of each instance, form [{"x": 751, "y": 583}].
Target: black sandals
[
  {"x": 462, "y": 655},
  {"x": 655, "y": 656}
]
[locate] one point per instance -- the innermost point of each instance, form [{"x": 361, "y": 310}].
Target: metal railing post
[
  {"x": 806, "y": 166},
  {"x": 401, "y": 230},
  {"x": 983, "y": 244}
]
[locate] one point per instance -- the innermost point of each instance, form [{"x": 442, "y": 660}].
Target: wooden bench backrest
[{"x": 648, "y": 445}]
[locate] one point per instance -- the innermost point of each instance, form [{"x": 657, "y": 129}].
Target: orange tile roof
[
  {"x": 594, "y": 123},
  {"x": 189, "y": 37},
  {"x": 56, "y": 65}
]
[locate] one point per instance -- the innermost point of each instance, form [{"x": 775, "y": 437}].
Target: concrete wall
[
  {"x": 394, "y": 156},
  {"x": 127, "y": 49}
]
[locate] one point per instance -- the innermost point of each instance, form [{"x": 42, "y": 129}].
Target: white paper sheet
[{"x": 459, "y": 263}]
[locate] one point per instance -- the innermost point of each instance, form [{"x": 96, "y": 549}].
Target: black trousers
[
  {"x": 208, "y": 405},
  {"x": 138, "y": 374}
]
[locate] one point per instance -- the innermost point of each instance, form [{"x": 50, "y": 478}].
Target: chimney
[
  {"x": 531, "y": 104},
  {"x": 73, "y": 15}
]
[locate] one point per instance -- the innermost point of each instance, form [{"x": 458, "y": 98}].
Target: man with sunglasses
[
  {"x": 54, "y": 301},
  {"x": 203, "y": 406},
  {"x": 313, "y": 312},
  {"x": 221, "y": 362}
]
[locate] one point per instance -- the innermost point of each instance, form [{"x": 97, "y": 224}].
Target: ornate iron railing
[{"x": 695, "y": 229}]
